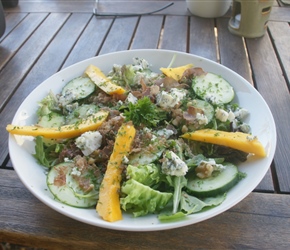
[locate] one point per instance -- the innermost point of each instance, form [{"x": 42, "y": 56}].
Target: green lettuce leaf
[
  {"x": 40, "y": 155},
  {"x": 190, "y": 204},
  {"x": 148, "y": 174},
  {"x": 178, "y": 183},
  {"x": 141, "y": 199},
  {"x": 46, "y": 155}
]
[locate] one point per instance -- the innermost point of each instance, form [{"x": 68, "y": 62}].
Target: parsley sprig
[{"x": 144, "y": 112}]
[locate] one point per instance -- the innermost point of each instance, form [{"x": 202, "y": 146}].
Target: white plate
[{"x": 260, "y": 119}]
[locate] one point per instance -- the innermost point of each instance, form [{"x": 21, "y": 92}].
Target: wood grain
[
  {"x": 175, "y": 33},
  {"x": 58, "y": 49},
  {"x": 232, "y": 50},
  {"x": 43, "y": 37},
  {"x": 280, "y": 34},
  {"x": 11, "y": 20},
  {"x": 147, "y": 35},
  {"x": 17, "y": 68},
  {"x": 237, "y": 228},
  {"x": 90, "y": 40},
  {"x": 270, "y": 83},
  {"x": 202, "y": 41},
  {"x": 10, "y": 76},
  {"x": 116, "y": 40}
]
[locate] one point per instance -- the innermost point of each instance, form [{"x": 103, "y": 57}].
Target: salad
[{"x": 144, "y": 142}]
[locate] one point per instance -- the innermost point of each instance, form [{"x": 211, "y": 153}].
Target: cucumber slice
[
  {"x": 81, "y": 112},
  {"x": 207, "y": 108},
  {"x": 70, "y": 193},
  {"x": 214, "y": 185},
  {"x": 76, "y": 89},
  {"x": 144, "y": 158},
  {"x": 213, "y": 88},
  {"x": 51, "y": 120}
]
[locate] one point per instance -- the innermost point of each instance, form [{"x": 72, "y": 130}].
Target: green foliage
[
  {"x": 144, "y": 112},
  {"x": 141, "y": 199}
]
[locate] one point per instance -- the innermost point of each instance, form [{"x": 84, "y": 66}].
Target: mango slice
[
  {"x": 100, "y": 79},
  {"x": 93, "y": 122},
  {"x": 237, "y": 140},
  {"x": 108, "y": 206},
  {"x": 175, "y": 73}
]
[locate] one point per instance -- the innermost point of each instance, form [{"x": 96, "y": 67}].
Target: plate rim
[{"x": 162, "y": 226}]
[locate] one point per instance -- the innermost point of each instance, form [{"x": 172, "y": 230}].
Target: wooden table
[{"x": 43, "y": 37}]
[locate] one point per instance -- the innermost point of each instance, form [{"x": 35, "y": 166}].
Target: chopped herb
[{"x": 144, "y": 112}]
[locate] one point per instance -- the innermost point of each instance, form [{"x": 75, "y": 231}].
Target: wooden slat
[
  {"x": 148, "y": 33},
  {"x": 270, "y": 83},
  {"x": 90, "y": 41},
  {"x": 280, "y": 14},
  {"x": 53, "y": 6},
  {"x": 232, "y": 50},
  {"x": 233, "y": 55},
  {"x": 8, "y": 165},
  {"x": 116, "y": 41},
  {"x": 202, "y": 38},
  {"x": 175, "y": 33},
  {"x": 58, "y": 49},
  {"x": 18, "y": 67},
  {"x": 11, "y": 21},
  {"x": 280, "y": 33},
  {"x": 15, "y": 40},
  {"x": 255, "y": 223},
  {"x": 267, "y": 183}
]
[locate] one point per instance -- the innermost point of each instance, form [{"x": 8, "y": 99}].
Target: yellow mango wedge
[
  {"x": 100, "y": 79},
  {"x": 63, "y": 132},
  {"x": 108, "y": 206},
  {"x": 176, "y": 73},
  {"x": 237, "y": 140}
]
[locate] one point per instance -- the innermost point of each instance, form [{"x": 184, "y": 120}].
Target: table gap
[
  {"x": 272, "y": 39},
  {"x": 76, "y": 41},
  {"x": 275, "y": 177},
  {"x": 105, "y": 37},
  {"x": 161, "y": 34},
  {"x": 134, "y": 33}
]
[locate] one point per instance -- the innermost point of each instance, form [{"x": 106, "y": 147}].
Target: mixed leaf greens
[{"x": 156, "y": 172}]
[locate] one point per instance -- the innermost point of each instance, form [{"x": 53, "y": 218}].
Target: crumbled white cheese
[
  {"x": 71, "y": 107},
  {"x": 206, "y": 168},
  {"x": 125, "y": 160},
  {"x": 245, "y": 128},
  {"x": 202, "y": 119},
  {"x": 231, "y": 116},
  {"x": 75, "y": 171},
  {"x": 119, "y": 103},
  {"x": 67, "y": 98},
  {"x": 90, "y": 111},
  {"x": 217, "y": 166},
  {"x": 221, "y": 114},
  {"x": 241, "y": 113},
  {"x": 89, "y": 141},
  {"x": 165, "y": 132},
  {"x": 154, "y": 137},
  {"x": 140, "y": 64},
  {"x": 66, "y": 159},
  {"x": 210, "y": 98},
  {"x": 173, "y": 165},
  {"x": 131, "y": 98},
  {"x": 170, "y": 99}
]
